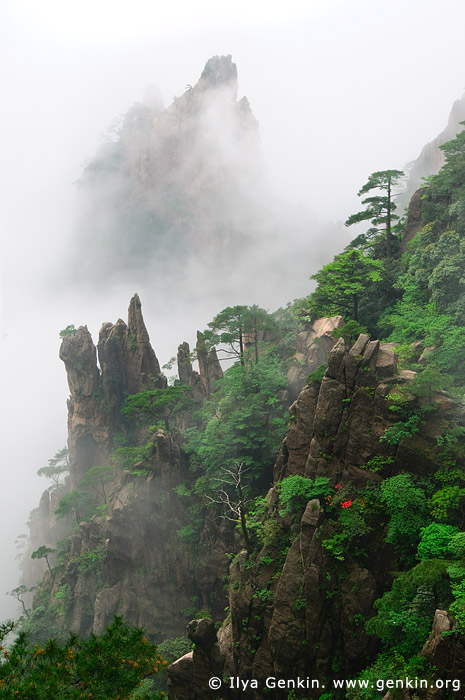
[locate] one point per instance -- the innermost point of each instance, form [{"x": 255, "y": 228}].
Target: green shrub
[
  {"x": 69, "y": 330},
  {"x": 435, "y": 541},
  {"x": 295, "y": 491},
  {"x": 405, "y": 504}
]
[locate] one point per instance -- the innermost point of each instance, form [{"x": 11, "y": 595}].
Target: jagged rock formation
[
  {"x": 302, "y": 615},
  {"x": 203, "y": 381},
  {"x": 314, "y": 344},
  {"x": 176, "y": 185},
  {"x": 128, "y": 365},
  {"x": 128, "y": 559}
]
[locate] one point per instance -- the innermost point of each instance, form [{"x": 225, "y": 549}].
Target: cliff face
[
  {"x": 314, "y": 344},
  {"x": 176, "y": 185},
  {"x": 431, "y": 158},
  {"x": 303, "y": 614},
  {"x": 127, "y": 558},
  {"x": 132, "y": 562}
]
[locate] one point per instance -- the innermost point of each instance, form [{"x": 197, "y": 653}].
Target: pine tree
[{"x": 380, "y": 208}]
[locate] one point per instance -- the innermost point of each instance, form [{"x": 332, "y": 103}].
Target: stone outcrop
[
  {"x": 209, "y": 365},
  {"x": 314, "y": 344},
  {"x": 446, "y": 654},
  {"x": 190, "y": 674},
  {"x": 203, "y": 381},
  {"x": 127, "y": 365},
  {"x": 303, "y": 614},
  {"x": 129, "y": 559}
]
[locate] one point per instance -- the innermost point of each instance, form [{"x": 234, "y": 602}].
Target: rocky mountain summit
[{"x": 177, "y": 185}]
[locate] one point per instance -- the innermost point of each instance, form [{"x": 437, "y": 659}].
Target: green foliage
[
  {"x": 432, "y": 282},
  {"x": 343, "y": 283},
  {"x": 90, "y": 559},
  {"x": 100, "y": 667},
  {"x": 18, "y": 593},
  {"x": 77, "y": 503},
  {"x": 388, "y": 666},
  {"x": 96, "y": 478},
  {"x": 446, "y": 503},
  {"x": 42, "y": 552},
  {"x": 405, "y": 505},
  {"x": 456, "y": 571},
  {"x": 182, "y": 490},
  {"x": 410, "y": 321},
  {"x": 457, "y": 607},
  {"x": 429, "y": 381},
  {"x": 57, "y": 466},
  {"x": 255, "y": 518},
  {"x": 193, "y": 612},
  {"x": 43, "y": 622},
  {"x": 239, "y": 328},
  {"x": 295, "y": 491},
  {"x": 457, "y": 544},
  {"x": 402, "y": 430},
  {"x": 375, "y": 464},
  {"x": 380, "y": 209},
  {"x": 266, "y": 559},
  {"x": 283, "y": 333},
  {"x": 160, "y": 404},
  {"x": 405, "y": 614},
  {"x": 264, "y": 595},
  {"x": 69, "y": 330},
  {"x": 244, "y": 423},
  {"x": 435, "y": 541},
  {"x": 133, "y": 458},
  {"x": 189, "y": 533},
  {"x": 318, "y": 374},
  {"x": 174, "y": 647},
  {"x": 451, "y": 443},
  {"x": 351, "y": 527},
  {"x": 349, "y": 331}
]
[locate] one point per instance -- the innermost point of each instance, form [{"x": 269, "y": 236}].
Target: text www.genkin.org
[{"x": 305, "y": 683}]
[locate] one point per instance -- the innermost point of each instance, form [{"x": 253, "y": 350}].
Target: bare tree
[{"x": 235, "y": 507}]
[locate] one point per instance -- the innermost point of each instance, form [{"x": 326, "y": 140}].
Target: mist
[{"x": 338, "y": 93}]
